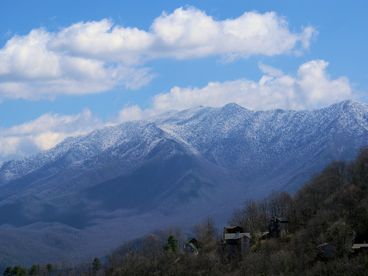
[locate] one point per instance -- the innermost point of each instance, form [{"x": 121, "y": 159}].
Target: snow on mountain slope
[
  {"x": 200, "y": 127},
  {"x": 235, "y": 137},
  {"x": 258, "y": 146},
  {"x": 78, "y": 149}
]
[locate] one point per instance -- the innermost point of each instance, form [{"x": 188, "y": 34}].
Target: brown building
[{"x": 235, "y": 241}]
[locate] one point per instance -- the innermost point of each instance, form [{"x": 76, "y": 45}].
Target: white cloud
[
  {"x": 103, "y": 40},
  {"x": 310, "y": 88},
  {"x": 318, "y": 88},
  {"x": 192, "y": 33},
  {"x": 96, "y": 56},
  {"x": 43, "y": 133},
  {"x": 30, "y": 69},
  {"x": 132, "y": 113}
]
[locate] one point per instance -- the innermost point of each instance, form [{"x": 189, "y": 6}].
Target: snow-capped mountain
[{"x": 120, "y": 182}]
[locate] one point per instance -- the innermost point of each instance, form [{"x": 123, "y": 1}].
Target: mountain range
[{"x": 90, "y": 193}]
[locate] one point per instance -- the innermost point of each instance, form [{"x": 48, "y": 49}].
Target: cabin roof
[
  {"x": 233, "y": 229},
  {"x": 236, "y": 236},
  {"x": 280, "y": 219},
  {"x": 359, "y": 245}
]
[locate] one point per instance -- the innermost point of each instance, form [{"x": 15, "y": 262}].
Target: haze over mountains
[{"x": 90, "y": 193}]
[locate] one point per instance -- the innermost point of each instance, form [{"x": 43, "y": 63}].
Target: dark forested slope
[{"x": 331, "y": 211}]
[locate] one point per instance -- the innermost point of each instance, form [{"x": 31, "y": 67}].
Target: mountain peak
[
  {"x": 350, "y": 105},
  {"x": 233, "y": 108}
]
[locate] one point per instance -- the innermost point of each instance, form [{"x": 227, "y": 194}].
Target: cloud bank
[
  {"x": 96, "y": 56},
  {"x": 43, "y": 133}
]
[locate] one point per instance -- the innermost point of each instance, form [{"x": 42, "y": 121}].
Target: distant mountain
[{"x": 121, "y": 182}]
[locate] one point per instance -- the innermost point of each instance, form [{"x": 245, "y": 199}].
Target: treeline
[
  {"x": 93, "y": 268},
  {"x": 325, "y": 218}
]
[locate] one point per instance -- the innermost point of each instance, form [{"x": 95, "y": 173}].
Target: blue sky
[{"x": 305, "y": 54}]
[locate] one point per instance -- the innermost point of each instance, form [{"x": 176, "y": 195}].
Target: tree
[
  {"x": 253, "y": 217},
  {"x": 15, "y": 271},
  {"x": 280, "y": 205},
  {"x": 96, "y": 265},
  {"x": 49, "y": 268},
  {"x": 171, "y": 245},
  {"x": 341, "y": 234},
  {"x": 206, "y": 234},
  {"x": 8, "y": 271},
  {"x": 360, "y": 169},
  {"x": 34, "y": 270}
]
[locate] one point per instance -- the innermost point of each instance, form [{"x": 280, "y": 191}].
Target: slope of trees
[{"x": 332, "y": 209}]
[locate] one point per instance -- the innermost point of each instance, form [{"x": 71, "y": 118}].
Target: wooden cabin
[
  {"x": 192, "y": 246},
  {"x": 235, "y": 241},
  {"x": 360, "y": 248},
  {"x": 326, "y": 251},
  {"x": 277, "y": 227}
]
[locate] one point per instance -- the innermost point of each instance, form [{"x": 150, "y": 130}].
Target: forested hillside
[{"x": 332, "y": 208}]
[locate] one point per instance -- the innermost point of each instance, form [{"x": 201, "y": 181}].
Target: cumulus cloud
[
  {"x": 96, "y": 56},
  {"x": 43, "y": 133},
  {"x": 311, "y": 87},
  {"x": 29, "y": 68},
  {"x": 187, "y": 33}
]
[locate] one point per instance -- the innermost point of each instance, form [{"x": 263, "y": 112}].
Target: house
[
  {"x": 192, "y": 246},
  {"x": 360, "y": 247},
  {"x": 264, "y": 235},
  {"x": 235, "y": 241},
  {"x": 277, "y": 227},
  {"x": 326, "y": 251}
]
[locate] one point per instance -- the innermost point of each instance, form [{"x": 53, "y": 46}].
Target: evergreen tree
[
  {"x": 34, "y": 270},
  {"x": 96, "y": 265},
  {"x": 8, "y": 271},
  {"x": 49, "y": 268},
  {"x": 171, "y": 245}
]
